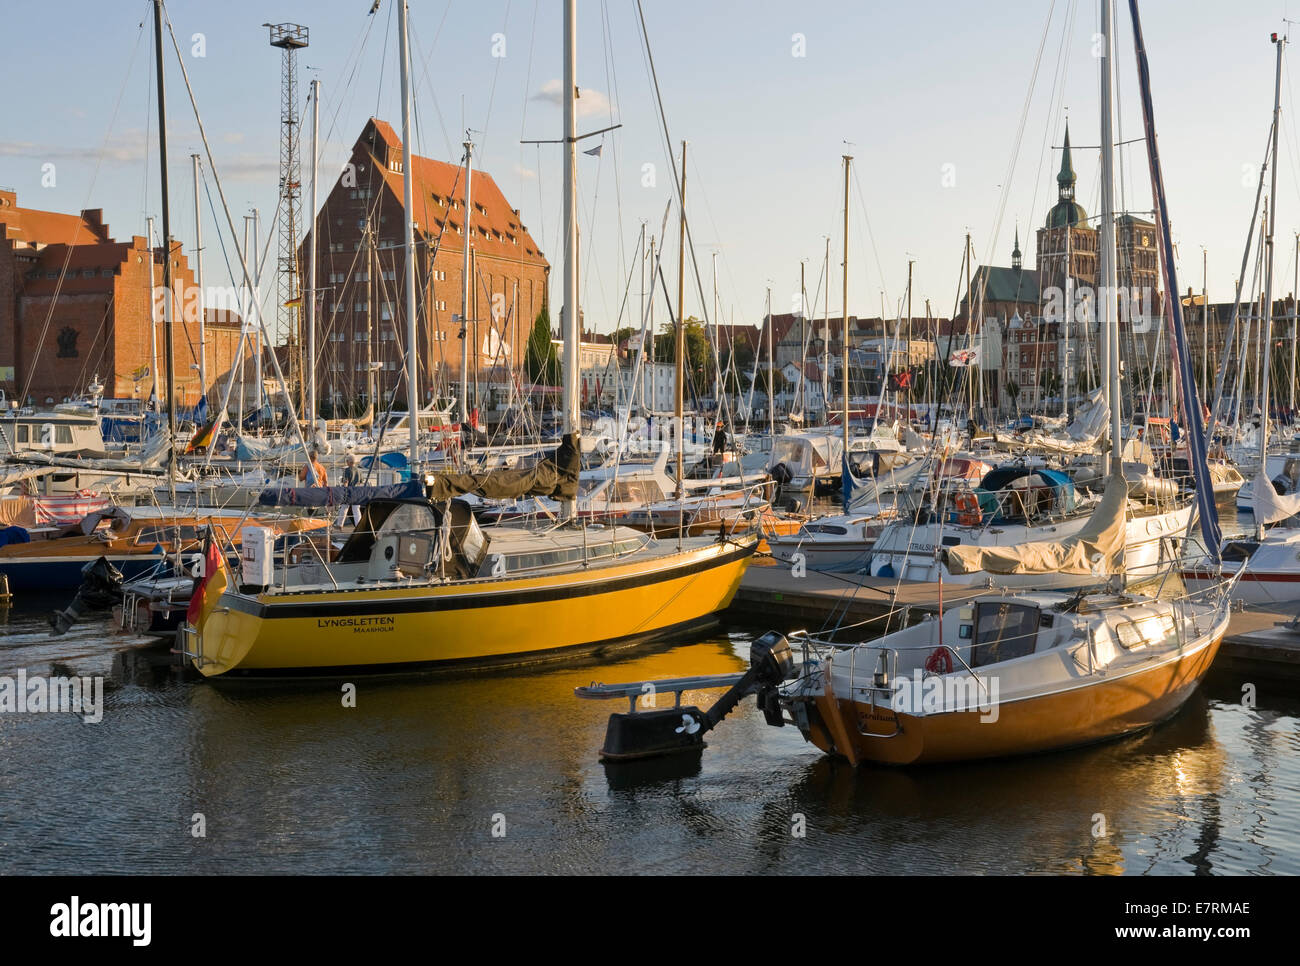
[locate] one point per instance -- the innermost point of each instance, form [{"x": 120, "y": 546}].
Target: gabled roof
[
  {"x": 496, "y": 227},
  {"x": 1005, "y": 284}
]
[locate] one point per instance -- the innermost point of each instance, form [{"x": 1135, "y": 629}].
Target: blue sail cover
[
  {"x": 338, "y": 495},
  {"x": 1195, "y": 428},
  {"x": 854, "y": 487}
]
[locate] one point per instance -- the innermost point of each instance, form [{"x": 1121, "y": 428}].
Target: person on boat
[
  {"x": 351, "y": 477},
  {"x": 313, "y": 474},
  {"x": 719, "y": 439}
]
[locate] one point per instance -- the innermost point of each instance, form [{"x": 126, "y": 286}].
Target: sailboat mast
[
  {"x": 198, "y": 282},
  {"x": 1266, "y": 314},
  {"x": 465, "y": 284},
  {"x": 680, "y": 340},
  {"x": 1106, "y": 244},
  {"x": 170, "y": 354},
  {"x": 311, "y": 260},
  {"x": 826, "y": 336},
  {"x": 572, "y": 416},
  {"x": 844, "y": 296},
  {"x": 408, "y": 244}
]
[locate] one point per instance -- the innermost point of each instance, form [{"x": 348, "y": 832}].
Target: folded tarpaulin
[
  {"x": 311, "y": 496},
  {"x": 556, "y": 476}
]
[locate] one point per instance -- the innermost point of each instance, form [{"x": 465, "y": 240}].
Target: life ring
[
  {"x": 967, "y": 505},
  {"x": 939, "y": 661}
]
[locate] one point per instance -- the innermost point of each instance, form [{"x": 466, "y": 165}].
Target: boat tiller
[{"x": 666, "y": 731}]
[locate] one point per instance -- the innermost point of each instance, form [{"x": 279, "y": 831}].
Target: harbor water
[{"x": 498, "y": 773}]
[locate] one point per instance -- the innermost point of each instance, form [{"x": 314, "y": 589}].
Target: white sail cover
[
  {"x": 1097, "y": 549},
  {"x": 1269, "y": 506}
]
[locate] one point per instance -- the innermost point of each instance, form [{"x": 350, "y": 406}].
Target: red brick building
[
  {"x": 361, "y": 282},
  {"x": 76, "y": 304}
]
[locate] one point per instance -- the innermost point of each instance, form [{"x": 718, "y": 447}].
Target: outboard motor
[
  {"x": 667, "y": 731},
  {"x": 101, "y": 588}
]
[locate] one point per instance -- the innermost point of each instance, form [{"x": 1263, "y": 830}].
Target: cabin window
[
  {"x": 1003, "y": 631},
  {"x": 23, "y": 433},
  {"x": 63, "y": 434}
]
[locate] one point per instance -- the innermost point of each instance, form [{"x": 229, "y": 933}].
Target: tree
[
  {"x": 1013, "y": 390},
  {"x": 699, "y": 357},
  {"x": 540, "y": 361}
]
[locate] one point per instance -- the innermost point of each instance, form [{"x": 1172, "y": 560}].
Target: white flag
[{"x": 965, "y": 357}]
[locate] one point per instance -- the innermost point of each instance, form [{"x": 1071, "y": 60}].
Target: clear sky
[{"x": 929, "y": 96}]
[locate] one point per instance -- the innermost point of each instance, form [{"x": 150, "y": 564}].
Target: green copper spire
[{"x": 1066, "y": 176}]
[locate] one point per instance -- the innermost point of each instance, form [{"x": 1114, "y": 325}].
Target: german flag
[
  {"x": 201, "y": 440},
  {"x": 211, "y": 585}
]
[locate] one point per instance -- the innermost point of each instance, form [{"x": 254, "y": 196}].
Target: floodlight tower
[{"x": 290, "y": 38}]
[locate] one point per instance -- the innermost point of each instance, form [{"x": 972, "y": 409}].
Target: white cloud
[
  {"x": 528, "y": 174},
  {"x": 591, "y": 102}
]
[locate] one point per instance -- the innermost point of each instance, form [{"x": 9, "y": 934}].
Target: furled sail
[
  {"x": 1270, "y": 506},
  {"x": 1097, "y": 549},
  {"x": 556, "y": 476}
]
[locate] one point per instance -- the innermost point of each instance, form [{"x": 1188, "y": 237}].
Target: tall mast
[
  {"x": 572, "y": 416},
  {"x": 465, "y": 282},
  {"x": 1295, "y": 294},
  {"x": 1106, "y": 244},
  {"x": 167, "y": 252},
  {"x": 198, "y": 281},
  {"x": 153, "y": 317},
  {"x": 680, "y": 341},
  {"x": 310, "y": 374},
  {"x": 803, "y": 337},
  {"x": 408, "y": 243},
  {"x": 1266, "y": 315},
  {"x": 771, "y": 370},
  {"x": 257, "y": 314},
  {"x": 844, "y": 296},
  {"x": 826, "y": 337},
  {"x": 1205, "y": 323}
]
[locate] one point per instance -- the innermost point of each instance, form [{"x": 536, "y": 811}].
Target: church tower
[{"x": 1066, "y": 235}]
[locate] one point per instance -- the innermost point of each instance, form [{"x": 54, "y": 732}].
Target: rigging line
[
  {"x": 275, "y": 362},
  {"x": 94, "y": 177},
  {"x": 611, "y": 81},
  {"x": 862, "y": 204},
  {"x": 492, "y": 91},
  {"x": 1020, "y": 133},
  {"x": 1053, "y": 126},
  {"x": 383, "y": 58},
  {"x": 523, "y": 120},
  {"x": 672, "y": 159},
  {"x": 442, "y": 123}
]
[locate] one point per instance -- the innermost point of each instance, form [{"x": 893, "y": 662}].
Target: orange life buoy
[
  {"x": 967, "y": 505},
  {"x": 939, "y": 661}
]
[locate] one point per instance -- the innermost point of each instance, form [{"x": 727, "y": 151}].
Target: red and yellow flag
[{"x": 210, "y": 586}]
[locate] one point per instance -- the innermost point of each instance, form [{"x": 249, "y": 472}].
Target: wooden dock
[{"x": 1257, "y": 641}]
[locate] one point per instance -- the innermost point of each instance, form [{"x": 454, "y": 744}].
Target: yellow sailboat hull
[{"x": 488, "y": 622}]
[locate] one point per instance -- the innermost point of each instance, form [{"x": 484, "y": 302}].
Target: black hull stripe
[
  {"x": 558, "y": 655},
  {"x": 422, "y": 605}
]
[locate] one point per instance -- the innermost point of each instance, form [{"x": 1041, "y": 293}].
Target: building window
[
  {"x": 361, "y": 336},
  {"x": 387, "y": 335}
]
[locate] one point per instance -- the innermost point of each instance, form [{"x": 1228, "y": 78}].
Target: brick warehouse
[
  {"x": 99, "y": 324},
  {"x": 360, "y": 279}
]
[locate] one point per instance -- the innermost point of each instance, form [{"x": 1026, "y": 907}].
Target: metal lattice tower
[{"x": 290, "y": 38}]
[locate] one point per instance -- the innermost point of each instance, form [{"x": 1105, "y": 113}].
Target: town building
[
  {"x": 76, "y": 305},
  {"x": 360, "y": 274}
]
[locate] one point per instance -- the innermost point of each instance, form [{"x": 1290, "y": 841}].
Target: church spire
[
  {"x": 1066, "y": 178},
  {"x": 1016, "y": 260}
]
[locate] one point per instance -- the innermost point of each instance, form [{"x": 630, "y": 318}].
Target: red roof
[
  {"x": 497, "y": 229},
  {"x": 48, "y": 227}
]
